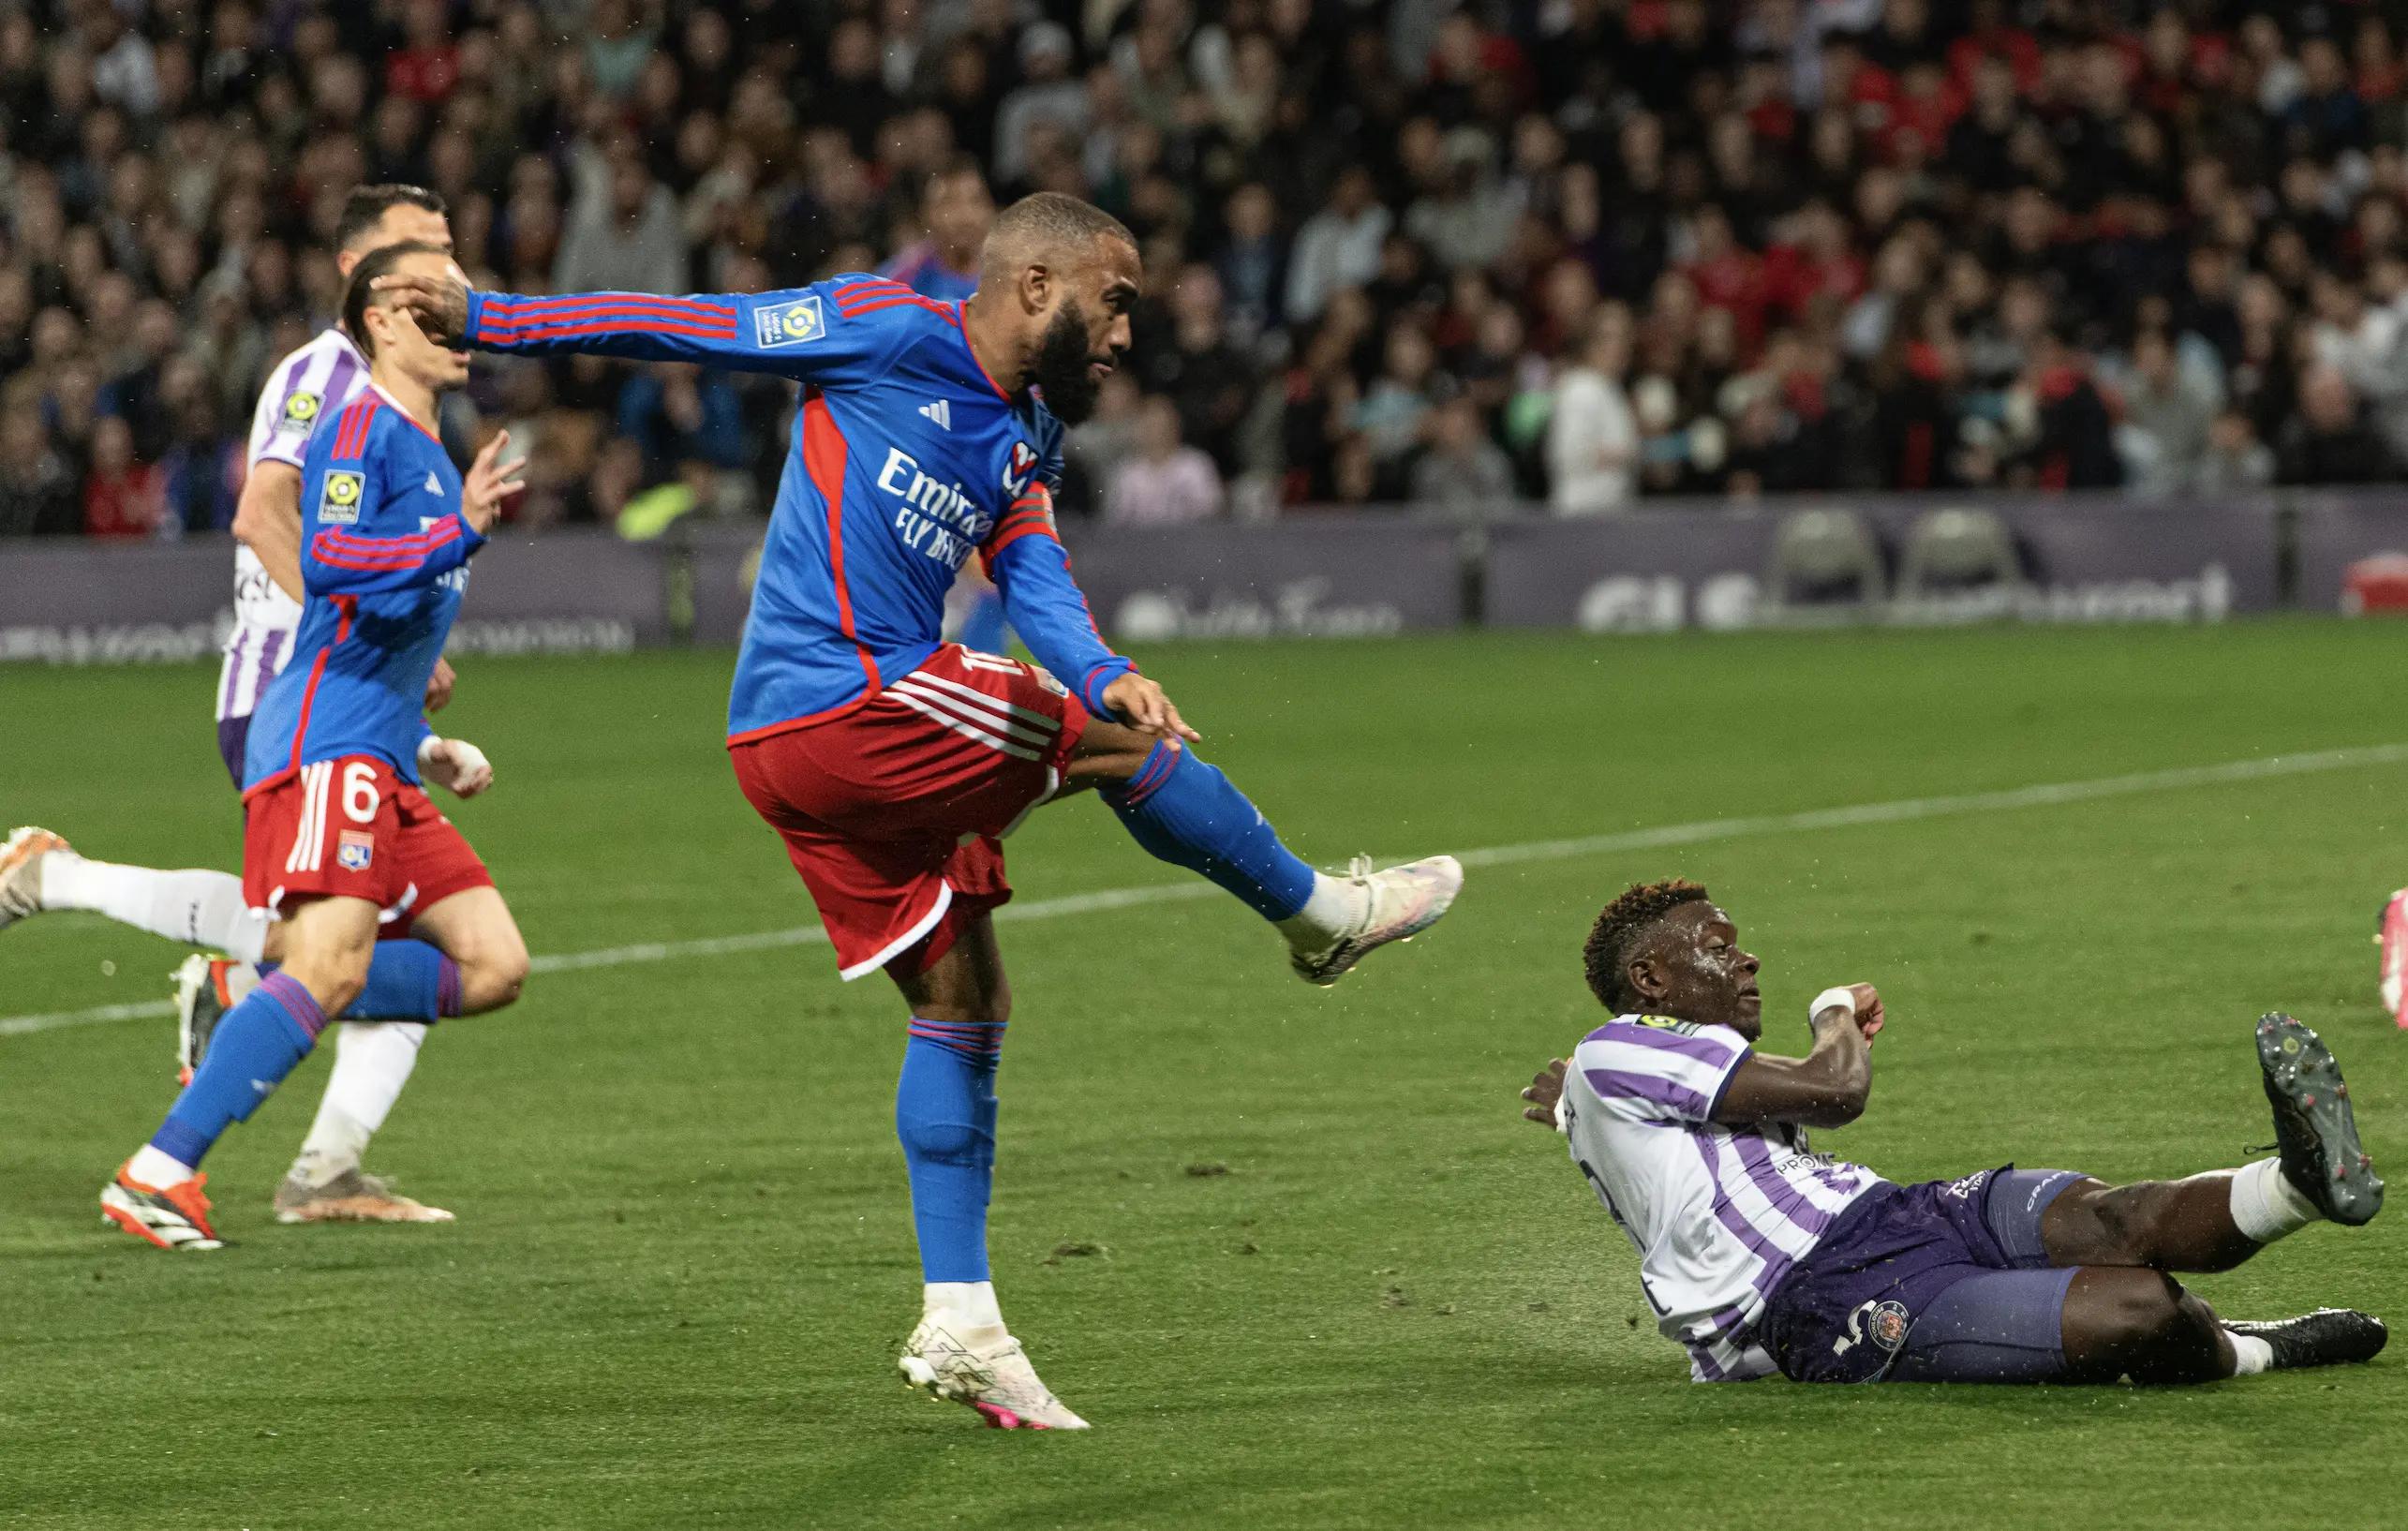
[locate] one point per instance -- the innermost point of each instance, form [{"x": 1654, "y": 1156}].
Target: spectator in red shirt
[
  {"x": 122, "y": 497},
  {"x": 429, "y": 66},
  {"x": 1728, "y": 276},
  {"x": 1815, "y": 260}
]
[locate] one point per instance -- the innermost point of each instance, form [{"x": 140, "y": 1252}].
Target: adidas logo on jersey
[
  {"x": 433, "y": 484},
  {"x": 940, "y": 411}
]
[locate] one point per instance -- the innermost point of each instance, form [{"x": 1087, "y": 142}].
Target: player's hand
[
  {"x": 440, "y": 304},
  {"x": 489, "y": 483},
  {"x": 456, "y": 766},
  {"x": 440, "y": 684},
  {"x": 1545, "y": 1093},
  {"x": 1143, "y": 707},
  {"x": 1868, "y": 1011}
]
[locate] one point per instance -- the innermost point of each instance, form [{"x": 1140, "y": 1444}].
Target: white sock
[
  {"x": 196, "y": 906},
  {"x": 372, "y": 1062},
  {"x": 152, "y": 1168},
  {"x": 2266, "y": 1206},
  {"x": 970, "y": 1303},
  {"x": 2250, "y": 1355},
  {"x": 1335, "y": 906}
]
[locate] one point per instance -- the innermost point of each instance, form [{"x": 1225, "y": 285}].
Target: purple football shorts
[{"x": 1942, "y": 1282}]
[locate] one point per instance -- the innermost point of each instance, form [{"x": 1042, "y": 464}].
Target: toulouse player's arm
[
  {"x": 1829, "y": 1086},
  {"x": 267, "y": 520}
]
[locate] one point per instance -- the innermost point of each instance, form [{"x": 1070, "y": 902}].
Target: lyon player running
[
  {"x": 337, "y": 827},
  {"x": 1760, "y": 1254},
  {"x": 40, "y": 873},
  {"x": 892, "y": 765}
]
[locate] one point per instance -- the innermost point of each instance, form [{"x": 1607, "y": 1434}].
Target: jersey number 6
[{"x": 360, "y": 793}]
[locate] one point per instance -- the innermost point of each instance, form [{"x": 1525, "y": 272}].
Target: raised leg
[{"x": 2185, "y": 1225}]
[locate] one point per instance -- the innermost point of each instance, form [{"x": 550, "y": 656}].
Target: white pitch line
[{"x": 2046, "y": 795}]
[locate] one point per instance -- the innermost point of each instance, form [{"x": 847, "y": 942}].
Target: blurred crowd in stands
[{"x": 1442, "y": 252}]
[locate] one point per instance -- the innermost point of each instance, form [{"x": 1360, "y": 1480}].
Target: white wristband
[{"x": 1844, "y": 997}]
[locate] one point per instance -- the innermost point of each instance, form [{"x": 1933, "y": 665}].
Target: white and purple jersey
[
  {"x": 1717, "y": 1214},
  {"x": 314, "y": 383}
]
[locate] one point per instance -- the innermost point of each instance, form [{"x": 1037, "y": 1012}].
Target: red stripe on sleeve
[
  {"x": 576, "y": 302},
  {"x": 619, "y": 325}
]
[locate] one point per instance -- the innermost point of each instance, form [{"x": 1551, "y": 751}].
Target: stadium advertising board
[
  {"x": 1307, "y": 576},
  {"x": 2353, "y": 553},
  {"x": 1896, "y": 559},
  {"x": 558, "y": 592}
]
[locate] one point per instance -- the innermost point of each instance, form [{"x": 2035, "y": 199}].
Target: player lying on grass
[
  {"x": 892, "y": 764},
  {"x": 1760, "y": 1254},
  {"x": 377, "y": 1046},
  {"x": 336, "y": 828}
]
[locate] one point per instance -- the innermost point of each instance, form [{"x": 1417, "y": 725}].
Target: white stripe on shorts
[
  {"x": 965, "y": 730},
  {"x": 308, "y": 846},
  {"x": 989, "y": 720},
  {"x": 992, "y": 704}
]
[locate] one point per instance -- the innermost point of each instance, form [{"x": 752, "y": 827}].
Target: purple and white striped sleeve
[{"x": 1659, "y": 1074}]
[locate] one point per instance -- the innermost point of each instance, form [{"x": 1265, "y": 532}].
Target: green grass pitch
[{"x": 684, "y": 1259}]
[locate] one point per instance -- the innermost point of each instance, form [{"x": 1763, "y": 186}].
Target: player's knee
[
  {"x": 2149, "y": 1308},
  {"x": 1108, "y": 754},
  {"x": 493, "y": 971}
]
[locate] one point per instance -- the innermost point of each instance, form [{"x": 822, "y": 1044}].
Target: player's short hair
[
  {"x": 1047, "y": 221},
  {"x": 358, "y": 298},
  {"x": 367, "y": 206},
  {"x": 1606, "y": 957}
]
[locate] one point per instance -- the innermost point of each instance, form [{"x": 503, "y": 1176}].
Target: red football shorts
[
  {"x": 893, "y": 812},
  {"x": 349, "y": 829}
]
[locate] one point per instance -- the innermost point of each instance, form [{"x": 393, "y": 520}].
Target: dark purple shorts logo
[{"x": 1888, "y": 1325}]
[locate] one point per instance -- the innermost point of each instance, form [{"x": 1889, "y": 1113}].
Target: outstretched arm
[
  {"x": 805, "y": 334},
  {"x": 1829, "y": 1086}
]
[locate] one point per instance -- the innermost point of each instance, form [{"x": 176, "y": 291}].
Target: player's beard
[{"x": 1060, "y": 370}]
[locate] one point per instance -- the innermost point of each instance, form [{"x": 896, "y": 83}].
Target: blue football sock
[
  {"x": 258, "y": 1043},
  {"x": 1186, "y": 812},
  {"x": 944, "y": 1113},
  {"x": 984, "y": 628},
  {"x": 408, "y": 980}
]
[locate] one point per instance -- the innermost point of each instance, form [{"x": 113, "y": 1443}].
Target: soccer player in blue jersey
[
  {"x": 337, "y": 825},
  {"x": 891, "y": 764}
]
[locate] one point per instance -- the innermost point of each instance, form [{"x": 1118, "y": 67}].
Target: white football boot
[
  {"x": 1398, "y": 903},
  {"x": 986, "y": 1369},
  {"x": 21, "y": 871}
]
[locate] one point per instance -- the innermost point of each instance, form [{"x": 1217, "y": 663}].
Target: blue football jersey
[
  {"x": 907, "y": 458},
  {"x": 383, "y": 565}
]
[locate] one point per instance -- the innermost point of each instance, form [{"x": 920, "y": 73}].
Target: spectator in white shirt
[
  {"x": 1166, "y": 482},
  {"x": 1338, "y": 247},
  {"x": 1592, "y": 436}
]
